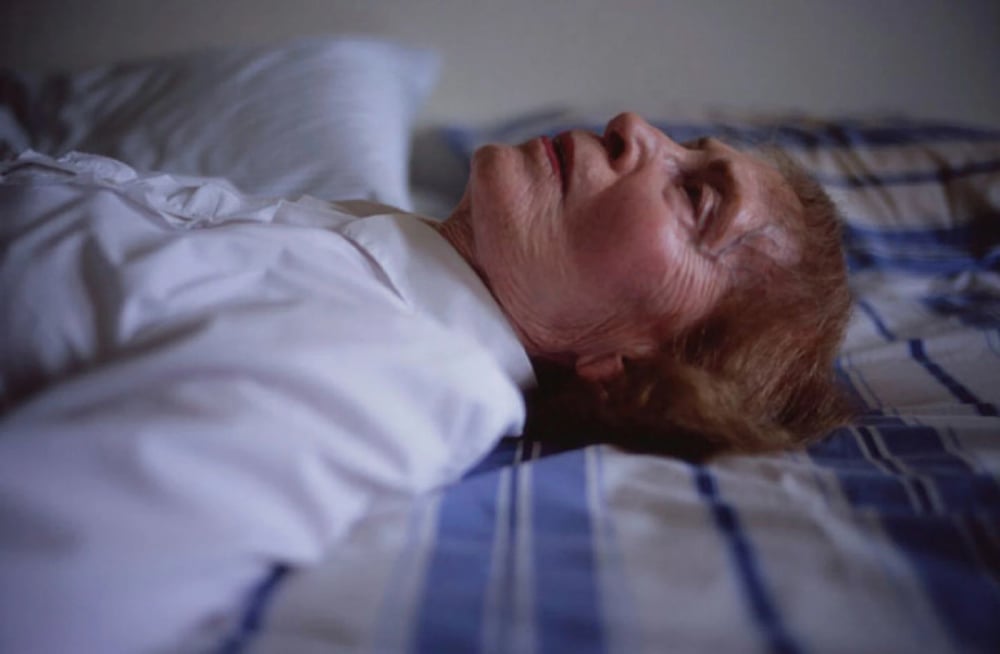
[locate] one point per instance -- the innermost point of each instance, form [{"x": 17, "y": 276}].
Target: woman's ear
[{"x": 599, "y": 367}]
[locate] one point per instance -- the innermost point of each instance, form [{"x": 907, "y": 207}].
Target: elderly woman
[
  {"x": 199, "y": 383},
  {"x": 701, "y": 291}
]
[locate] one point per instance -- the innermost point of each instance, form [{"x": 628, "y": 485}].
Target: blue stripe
[
  {"x": 861, "y": 481},
  {"x": 941, "y": 175},
  {"x": 845, "y": 360},
  {"x": 922, "y": 265},
  {"x": 845, "y": 381},
  {"x": 565, "y": 594},
  {"x": 956, "y": 583},
  {"x": 982, "y": 231},
  {"x": 918, "y": 488},
  {"x": 454, "y": 596},
  {"x": 980, "y": 310},
  {"x": 972, "y": 246},
  {"x": 834, "y": 134},
  {"x": 960, "y": 487},
  {"x": 926, "y": 268},
  {"x": 762, "y": 607},
  {"x": 253, "y": 612},
  {"x": 950, "y": 567},
  {"x": 962, "y": 393},
  {"x": 500, "y": 456},
  {"x": 880, "y": 326},
  {"x": 566, "y": 597},
  {"x": 507, "y": 601},
  {"x": 979, "y": 531}
]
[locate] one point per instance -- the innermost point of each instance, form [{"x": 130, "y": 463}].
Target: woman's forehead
[{"x": 767, "y": 207}]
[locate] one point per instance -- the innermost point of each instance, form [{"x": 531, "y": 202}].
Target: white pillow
[{"x": 327, "y": 117}]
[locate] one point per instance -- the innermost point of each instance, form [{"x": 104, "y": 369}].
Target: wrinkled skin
[{"x": 638, "y": 239}]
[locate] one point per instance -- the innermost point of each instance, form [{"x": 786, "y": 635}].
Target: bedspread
[{"x": 882, "y": 537}]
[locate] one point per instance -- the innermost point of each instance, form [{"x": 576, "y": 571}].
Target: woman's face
[{"x": 609, "y": 244}]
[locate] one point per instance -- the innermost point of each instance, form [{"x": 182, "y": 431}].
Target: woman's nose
[{"x": 629, "y": 140}]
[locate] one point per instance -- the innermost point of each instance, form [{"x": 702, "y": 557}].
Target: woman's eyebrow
[
  {"x": 696, "y": 144},
  {"x": 721, "y": 168}
]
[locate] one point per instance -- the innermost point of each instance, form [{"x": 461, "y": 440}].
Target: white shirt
[{"x": 201, "y": 384}]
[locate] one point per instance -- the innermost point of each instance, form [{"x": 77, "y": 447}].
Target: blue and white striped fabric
[{"x": 884, "y": 537}]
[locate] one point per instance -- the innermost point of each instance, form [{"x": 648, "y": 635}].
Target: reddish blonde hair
[{"x": 755, "y": 375}]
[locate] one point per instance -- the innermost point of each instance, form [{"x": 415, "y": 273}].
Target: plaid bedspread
[{"x": 883, "y": 537}]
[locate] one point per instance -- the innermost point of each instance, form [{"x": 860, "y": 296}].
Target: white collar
[{"x": 433, "y": 278}]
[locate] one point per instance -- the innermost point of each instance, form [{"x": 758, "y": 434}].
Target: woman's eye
[
  {"x": 702, "y": 199},
  {"x": 694, "y": 195}
]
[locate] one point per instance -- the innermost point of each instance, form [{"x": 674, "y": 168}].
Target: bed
[{"x": 884, "y": 536}]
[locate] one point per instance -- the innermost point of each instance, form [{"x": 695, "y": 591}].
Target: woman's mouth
[
  {"x": 560, "y": 153},
  {"x": 554, "y": 158},
  {"x": 563, "y": 146}
]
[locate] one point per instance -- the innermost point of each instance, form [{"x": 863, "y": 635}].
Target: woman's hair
[{"x": 755, "y": 375}]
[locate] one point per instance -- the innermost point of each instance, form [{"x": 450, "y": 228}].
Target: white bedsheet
[{"x": 204, "y": 385}]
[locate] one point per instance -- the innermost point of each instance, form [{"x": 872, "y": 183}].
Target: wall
[{"x": 926, "y": 58}]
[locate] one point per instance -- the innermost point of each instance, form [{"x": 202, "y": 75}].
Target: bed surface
[{"x": 883, "y": 537}]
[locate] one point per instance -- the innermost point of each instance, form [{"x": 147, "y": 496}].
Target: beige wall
[{"x": 931, "y": 58}]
